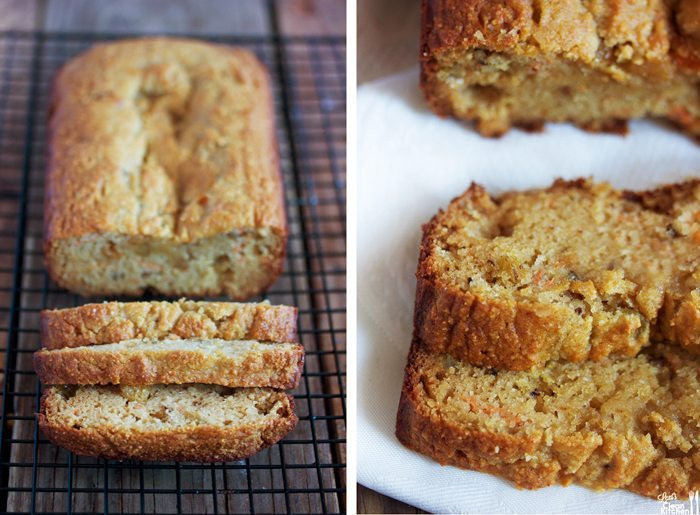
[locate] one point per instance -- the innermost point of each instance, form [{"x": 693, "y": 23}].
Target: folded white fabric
[{"x": 411, "y": 163}]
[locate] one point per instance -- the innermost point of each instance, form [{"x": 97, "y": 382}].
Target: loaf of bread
[
  {"x": 573, "y": 272},
  {"x": 629, "y": 423},
  {"x": 163, "y": 172},
  {"x": 596, "y": 64},
  {"x": 165, "y": 422},
  {"x": 111, "y": 322},
  {"x": 147, "y": 362}
]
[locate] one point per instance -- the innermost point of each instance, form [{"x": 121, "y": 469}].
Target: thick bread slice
[
  {"x": 146, "y": 362},
  {"x": 112, "y": 322},
  {"x": 576, "y": 271},
  {"x": 629, "y": 423},
  {"x": 166, "y": 422}
]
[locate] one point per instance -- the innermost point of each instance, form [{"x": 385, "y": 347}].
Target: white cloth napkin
[{"x": 411, "y": 163}]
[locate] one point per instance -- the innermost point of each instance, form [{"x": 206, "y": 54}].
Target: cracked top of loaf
[
  {"x": 619, "y": 36},
  {"x": 164, "y": 138}
]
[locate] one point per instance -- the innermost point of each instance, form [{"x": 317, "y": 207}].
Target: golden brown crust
[
  {"x": 417, "y": 429},
  {"x": 199, "y": 444},
  {"x": 631, "y": 43},
  {"x": 111, "y": 322},
  {"x": 447, "y": 24},
  {"x": 484, "y": 332},
  {"x": 567, "y": 29},
  {"x": 166, "y": 142},
  {"x": 93, "y": 111},
  {"x": 517, "y": 334},
  {"x": 530, "y": 458},
  {"x": 262, "y": 365}
]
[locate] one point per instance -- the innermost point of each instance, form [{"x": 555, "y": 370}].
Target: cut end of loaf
[
  {"x": 238, "y": 264},
  {"x": 505, "y": 64},
  {"x": 499, "y": 91},
  {"x": 165, "y": 422}
]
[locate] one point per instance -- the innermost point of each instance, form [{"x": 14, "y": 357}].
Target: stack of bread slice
[
  {"x": 188, "y": 381},
  {"x": 557, "y": 338}
]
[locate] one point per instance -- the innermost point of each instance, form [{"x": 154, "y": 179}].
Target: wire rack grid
[{"x": 305, "y": 472}]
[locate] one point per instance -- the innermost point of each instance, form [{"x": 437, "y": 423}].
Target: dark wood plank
[
  {"x": 316, "y": 17},
  {"x": 18, "y": 14},
  {"x": 158, "y": 16},
  {"x": 369, "y": 501}
]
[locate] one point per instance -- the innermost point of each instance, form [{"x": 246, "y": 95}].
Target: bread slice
[
  {"x": 111, "y": 322},
  {"x": 146, "y": 362},
  {"x": 573, "y": 272},
  {"x": 165, "y": 422},
  {"x": 629, "y": 423}
]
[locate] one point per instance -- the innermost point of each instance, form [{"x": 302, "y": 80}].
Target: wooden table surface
[
  {"x": 203, "y": 17},
  {"x": 387, "y": 37},
  {"x": 297, "y": 17}
]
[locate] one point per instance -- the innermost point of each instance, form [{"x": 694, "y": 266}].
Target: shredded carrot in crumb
[
  {"x": 542, "y": 282},
  {"x": 696, "y": 237},
  {"x": 536, "y": 277}
]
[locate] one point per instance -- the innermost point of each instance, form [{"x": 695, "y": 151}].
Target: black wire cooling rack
[{"x": 303, "y": 473}]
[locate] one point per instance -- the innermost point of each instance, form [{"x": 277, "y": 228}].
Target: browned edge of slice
[
  {"x": 111, "y": 322},
  {"x": 450, "y": 445},
  {"x": 272, "y": 367}
]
